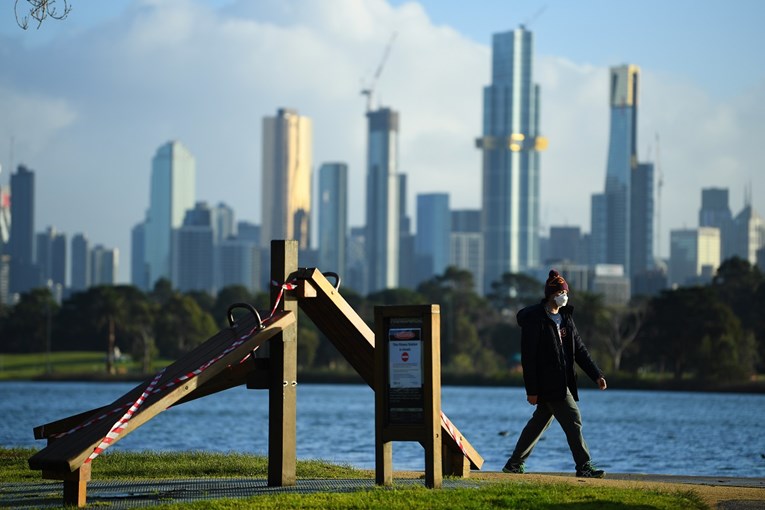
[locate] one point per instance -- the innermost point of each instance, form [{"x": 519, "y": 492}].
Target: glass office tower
[
  {"x": 173, "y": 189},
  {"x": 510, "y": 144},
  {"x": 333, "y": 216},
  {"x": 383, "y": 212}
]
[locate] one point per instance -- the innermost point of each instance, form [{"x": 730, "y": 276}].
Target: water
[{"x": 704, "y": 434}]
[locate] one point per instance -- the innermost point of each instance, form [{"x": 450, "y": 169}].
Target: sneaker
[
  {"x": 589, "y": 470},
  {"x": 514, "y": 468}
]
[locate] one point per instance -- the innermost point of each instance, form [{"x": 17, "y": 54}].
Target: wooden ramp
[
  {"x": 68, "y": 453},
  {"x": 332, "y": 314}
]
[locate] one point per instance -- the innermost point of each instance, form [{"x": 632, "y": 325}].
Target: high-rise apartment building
[
  {"x": 748, "y": 234},
  {"x": 383, "y": 227},
  {"x": 510, "y": 144},
  {"x": 80, "y": 270},
  {"x": 139, "y": 269},
  {"x": 173, "y": 191},
  {"x": 24, "y": 273},
  {"x": 333, "y": 217},
  {"x": 431, "y": 244},
  {"x": 287, "y": 165}
]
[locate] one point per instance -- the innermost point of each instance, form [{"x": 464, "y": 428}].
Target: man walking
[{"x": 550, "y": 344}]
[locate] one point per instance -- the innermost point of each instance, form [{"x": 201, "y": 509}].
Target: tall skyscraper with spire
[
  {"x": 173, "y": 191},
  {"x": 622, "y": 160},
  {"x": 383, "y": 208},
  {"x": 24, "y": 273},
  {"x": 623, "y": 215},
  {"x": 287, "y": 163},
  {"x": 510, "y": 144}
]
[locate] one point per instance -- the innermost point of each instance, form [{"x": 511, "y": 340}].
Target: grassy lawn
[
  {"x": 63, "y": 364},
  {"x": 512, "y": 493}
]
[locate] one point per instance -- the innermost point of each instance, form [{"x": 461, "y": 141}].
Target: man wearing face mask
[{"x": 550, "y": 344}]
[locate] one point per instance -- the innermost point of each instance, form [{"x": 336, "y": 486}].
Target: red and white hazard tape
[
  {"x": 119, "y": 426},
  {"x": 450, "y": 428}
]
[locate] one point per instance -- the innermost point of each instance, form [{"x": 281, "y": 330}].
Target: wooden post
[
  {"x": 282, "y": 416},
  {"x": 75, "y": 484}
]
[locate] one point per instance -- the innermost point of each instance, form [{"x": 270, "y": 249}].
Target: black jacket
[{"x": 548, "y": 364}]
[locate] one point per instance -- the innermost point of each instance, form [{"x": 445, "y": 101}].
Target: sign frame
[{"x": 408, "y": 386}]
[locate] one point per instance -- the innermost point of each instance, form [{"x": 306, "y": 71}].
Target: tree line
[{"x": 712, "y": 333}]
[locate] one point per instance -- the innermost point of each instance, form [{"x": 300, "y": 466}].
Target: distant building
[
  {"x": 694, "y": 256},
  {"x": 139, "y": 269},
  {"x": 715, "y": 212},
  {"x": 641, "y": 219},
  {"x": 104, "y": 263},
  {"x": 431, "y": 245},
  {"x": 383, "y": 226},
  {"x": 173, "y": 191},
  {"x": 510, "y": 145},
  {"x": 24, "y": 273},
  {"x": 193, "y": 251},
  {"x": 223, "y": 222},
  {"x": 80, "y": 270},
  {"x": 240, "y": 264},
  {"x": 333, "y": 217},
  {"x": 356, "y": 273},
  {"x": 286, "y": 190},
  {"x": 466, "y": 245},
  {"x": 748, "y": 234},
  {"x": 611, "y": 281},
  {"x": 51, "y": 257},
  {"x": 565, "y": 244}
]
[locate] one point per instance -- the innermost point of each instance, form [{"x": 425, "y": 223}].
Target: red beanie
[{"x": 554, "y": 284}]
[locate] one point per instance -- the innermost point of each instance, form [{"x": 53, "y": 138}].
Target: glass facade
[
  {"x": 383, "y": 212},
  {"x": 333, "y": 216},
  {"x": 510, "y": 145},
  {"x": 287, "y": 167},
  {"x": 433, "y": 228},
  {"x": 173, "y": 190}
]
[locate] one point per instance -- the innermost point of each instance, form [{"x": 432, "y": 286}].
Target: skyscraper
[
  {"x": 383, "y": 228},
  {"x": 510, "y": 145},
  {"x": 139, "y": 269},
  {"x": 333, "y": 216},
  {"x": 431, "y": 244},
  {"x": 641, "y": 219},
  {"x": 287, "y": 153},
  {"x": 80, "y": 272},
  {"x": 51, "y": 257},
  {"x": 104, "y": 263},
  {"x": 193, "y": 251},
  {"x": 24, "y": 274},
  {"x": 694, "y": 255},
  {"x": 622, "y": 159},
  {"x": 715, "y": 212},
  {"x": 173, "y": 191}
]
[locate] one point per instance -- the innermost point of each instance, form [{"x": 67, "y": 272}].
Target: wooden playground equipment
[{"x": 224, "y": 361}]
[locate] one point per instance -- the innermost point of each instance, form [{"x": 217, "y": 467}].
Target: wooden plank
[
  {"x": 355, "y": 340},
  {"x": 70, "y": 452}
]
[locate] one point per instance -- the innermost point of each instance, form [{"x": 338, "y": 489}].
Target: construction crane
[{"x": 369, "y": 91}]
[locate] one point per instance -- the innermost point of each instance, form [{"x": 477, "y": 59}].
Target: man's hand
[
  {"x": 602, "y": 383},
  {"x": 532, "y": 399}
]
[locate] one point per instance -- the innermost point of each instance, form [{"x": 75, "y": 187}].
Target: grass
[
  {"x": 64, "y": 364},
  {"x": 511, "y": 493}
]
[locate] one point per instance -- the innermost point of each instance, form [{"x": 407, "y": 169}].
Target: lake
[{"x": 676, "y": 433}]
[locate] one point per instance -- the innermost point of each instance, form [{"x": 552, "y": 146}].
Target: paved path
[{"x": 719, "y": 492}]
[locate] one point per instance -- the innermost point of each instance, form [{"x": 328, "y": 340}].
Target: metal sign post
[{"x": 408, "y": 386}]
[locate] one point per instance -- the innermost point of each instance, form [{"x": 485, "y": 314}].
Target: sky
[{"x": 86, "y": 101}]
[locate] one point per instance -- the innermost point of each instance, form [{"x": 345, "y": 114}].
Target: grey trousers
[{"x": 567, "y": 413}]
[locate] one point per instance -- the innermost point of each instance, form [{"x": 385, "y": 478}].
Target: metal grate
[{"x": 146, "y": 493}]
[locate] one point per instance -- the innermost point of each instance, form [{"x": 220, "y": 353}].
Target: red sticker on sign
[{"x": 404, "y": 356}]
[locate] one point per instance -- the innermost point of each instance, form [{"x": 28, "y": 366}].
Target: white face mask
[{"x": 561, "y": 299}]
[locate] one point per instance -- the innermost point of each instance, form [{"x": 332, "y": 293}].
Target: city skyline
[{"x": 95, "y": 139}]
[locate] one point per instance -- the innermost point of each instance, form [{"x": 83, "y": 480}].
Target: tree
[
  {"x": 28, "y": 324},
  {"x": 623, "y": 327},
  {"x": 182, "y": 325},
  {"x": 39, "y": 10},
  {"x": 514, "y": 291}
]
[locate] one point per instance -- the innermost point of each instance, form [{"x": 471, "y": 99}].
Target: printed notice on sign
[
  {"x": 405, "y": 392},
  {"x": 405, "y": 359}
]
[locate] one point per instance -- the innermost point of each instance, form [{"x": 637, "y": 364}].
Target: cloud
[{"x": 94, "y": 107}]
